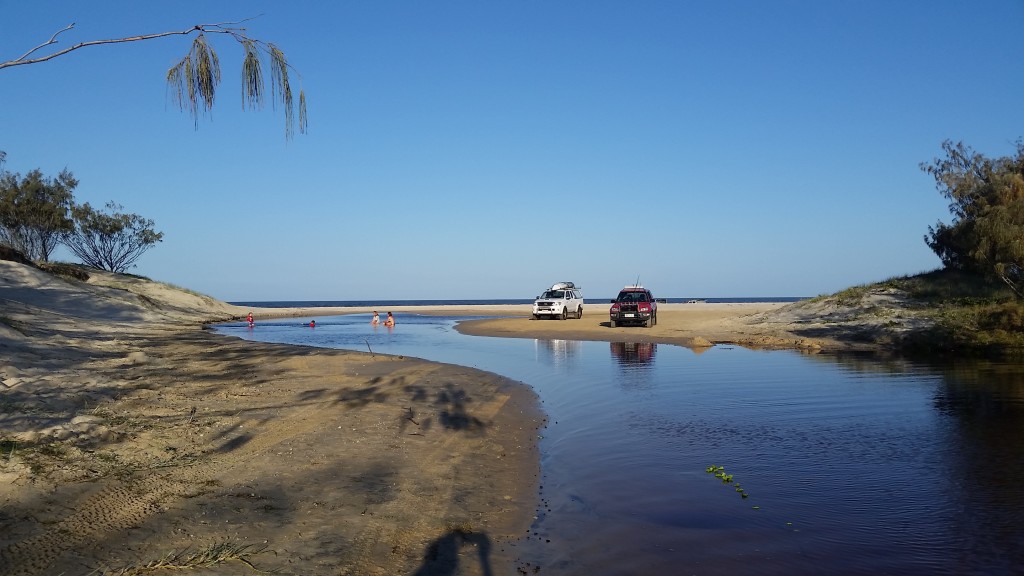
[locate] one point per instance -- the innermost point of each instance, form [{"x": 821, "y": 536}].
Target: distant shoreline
[{"x": 698, "y": 325}]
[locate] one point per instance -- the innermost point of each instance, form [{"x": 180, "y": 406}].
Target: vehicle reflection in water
[
  {"x": 635, "y": 361},
  {"x": 633, "y": 353},
  {"x": 557, "y": 352}
]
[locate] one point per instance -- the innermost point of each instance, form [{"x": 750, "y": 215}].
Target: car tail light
[{"x": 615, "y": 308}]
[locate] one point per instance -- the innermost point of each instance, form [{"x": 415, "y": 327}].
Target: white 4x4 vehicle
[{"x": 562, "y": 300}]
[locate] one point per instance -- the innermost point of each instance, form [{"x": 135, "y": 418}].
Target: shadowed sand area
[
  {"x": 130, "y": 436},
  {"x": 130, "y": 433}
]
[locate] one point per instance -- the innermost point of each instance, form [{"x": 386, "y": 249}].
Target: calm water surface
[{"x": 848, "y": 465}]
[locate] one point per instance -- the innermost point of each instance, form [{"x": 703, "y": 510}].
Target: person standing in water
[
  {"x": 312, "y": 323},
  {"x": 390, "y": 321},
  {"x": 376, "y": 319},
  {"x": 249, "y": 318}
]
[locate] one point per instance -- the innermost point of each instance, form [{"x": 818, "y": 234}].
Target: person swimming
[{"x": 312, "y": 323}]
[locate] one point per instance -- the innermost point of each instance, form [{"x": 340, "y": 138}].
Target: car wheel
[
  {"x": 565, "y": 313},
  {"x": 536, "y": 317},
  {"x": 654, "y": 319},
  {"x": 579, "y": 312},
  {"x": 649, "y": 322},
  {"x": 612, "y": 323}
]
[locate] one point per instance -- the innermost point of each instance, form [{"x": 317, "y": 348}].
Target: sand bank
[
  {"x": 128, "y": 435},
  {"x": 694, "y": 325}
]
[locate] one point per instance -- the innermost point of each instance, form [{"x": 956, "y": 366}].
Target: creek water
[{"x": 818, "y": 463}]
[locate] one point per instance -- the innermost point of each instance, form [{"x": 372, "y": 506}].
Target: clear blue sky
[{"x": 488, "y": 149}]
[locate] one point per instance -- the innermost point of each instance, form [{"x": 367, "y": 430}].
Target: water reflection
[
  {"x": 633, "y": 353},
  {"x": 558, "y": 352},
  {"x": 984, "y": 402}
]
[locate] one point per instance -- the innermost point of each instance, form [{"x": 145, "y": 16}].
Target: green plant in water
[{"x": 719, "y": 472}]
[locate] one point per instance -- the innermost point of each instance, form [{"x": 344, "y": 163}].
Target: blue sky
[{"x": 489, "y": 149}]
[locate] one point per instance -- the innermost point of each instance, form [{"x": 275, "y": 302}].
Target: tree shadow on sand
[
  {"x": 441, "y": 557},
  {"x": 453, "y": 414}
]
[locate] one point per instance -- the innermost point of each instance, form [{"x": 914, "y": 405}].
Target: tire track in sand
[{"x": 119, "y": 506}]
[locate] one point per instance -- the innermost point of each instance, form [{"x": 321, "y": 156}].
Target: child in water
[
  {"x": 390, "y": 321},
  {"x": 376, "y": 319}
]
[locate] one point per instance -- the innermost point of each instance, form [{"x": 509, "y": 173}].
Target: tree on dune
[
  {"x": 986, "y": 198},
  {"x": 109, "y": 240},
  {"x": 38, "y": 213},
  {"x": 34, "y": 211},
  {"x": 193, "y": 81}
]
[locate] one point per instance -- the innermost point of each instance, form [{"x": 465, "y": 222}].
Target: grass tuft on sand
[{"x": 213, "y": 555}]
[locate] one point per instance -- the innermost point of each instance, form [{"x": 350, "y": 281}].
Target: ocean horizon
[{"x": 484, "y": 302}]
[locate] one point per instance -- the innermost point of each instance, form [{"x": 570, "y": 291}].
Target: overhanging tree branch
[
  {"x": 230, "y": 28},
  {"x": 24, "y": 57},
  {"x": 195, "y": 78}
]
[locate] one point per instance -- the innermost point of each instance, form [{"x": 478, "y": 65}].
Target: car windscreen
[{"x": 632, "y": 297}]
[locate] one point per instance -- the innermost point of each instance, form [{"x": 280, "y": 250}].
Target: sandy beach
[{"x": 132, "y": 438}]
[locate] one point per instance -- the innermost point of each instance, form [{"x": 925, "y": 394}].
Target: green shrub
[{"x": 66, "y": 270}]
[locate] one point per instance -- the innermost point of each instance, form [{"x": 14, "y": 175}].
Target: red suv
[{"x": 634, "y": 305}]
